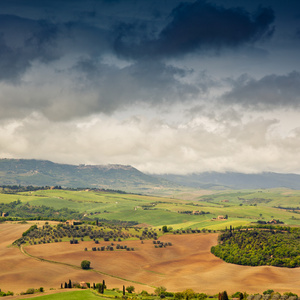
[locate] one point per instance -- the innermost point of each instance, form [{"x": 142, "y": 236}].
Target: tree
[
  {"x": 160, "y": 290},
  {"x": 123, "y": 290},
  {"x": 103, "y": 286},
  {"x": 202, "y": 296},
  {"x": 85, "y": 265},
  {"x": 268, "y": 292},
  {"x": 130, "y": 289},
  {"x": 165, "y": 228},
  {"x": 188, "y": 294},
  {"x": 224, "y": 296}
]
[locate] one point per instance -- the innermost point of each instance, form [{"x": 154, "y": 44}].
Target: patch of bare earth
[{"x": 186, "y": 264}]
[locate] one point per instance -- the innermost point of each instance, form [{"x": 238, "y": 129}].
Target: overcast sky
[{"x": 166, "y": 86}]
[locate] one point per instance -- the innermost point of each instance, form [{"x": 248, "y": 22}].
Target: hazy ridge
[{"x": 127, "y": 178}]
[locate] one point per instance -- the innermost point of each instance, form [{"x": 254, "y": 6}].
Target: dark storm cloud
[
  {"x": 22, "y": 41},
  {"x": 269, "y": 92},
  {"x": 198, "y": 25},
  {"x": 154, "y": 83}
]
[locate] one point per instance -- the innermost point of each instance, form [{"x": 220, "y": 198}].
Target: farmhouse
[
  {"x": 83, "y": 285},
  {"x": 73, "y": 222}
]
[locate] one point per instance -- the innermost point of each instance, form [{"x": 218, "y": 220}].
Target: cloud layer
[
  {"x": 196, "y": 26},
  {"x": 166, "y": 86}
]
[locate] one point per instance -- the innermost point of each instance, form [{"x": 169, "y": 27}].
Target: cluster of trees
[
  {"x": 32, "y": 291},
  {"x": 12, "y": 189},
  {"x": 187, "y": 294},
  {"x": 162, "y": 292},
  {"x": 111, "y": 248},
  {"x": 76, "y": 233},
  {"x": 17, "y": 209},
  {"x": 3, "y": 294},
  {"x": 189, "y": 230},
  {"x": 100, "y": 287},
  {"x": 159, "y": 244},
  {"x": 191, "y": 212},
  {"x": 67, "y": 285},
  {"x": 32, "y": 228},
  {"x": 269, "y": 245}
]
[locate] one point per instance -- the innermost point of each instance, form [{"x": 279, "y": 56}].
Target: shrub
[
  {"x": 30, "y": 291},
  {"x": 9, "y": 293},
  {"x": 130, "y": 289},
  {"x": 144, "y": 293},
  {"x": 160, "y": 290}
]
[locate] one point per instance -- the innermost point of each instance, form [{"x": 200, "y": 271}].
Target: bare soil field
[{"x": 186, "y": 264}]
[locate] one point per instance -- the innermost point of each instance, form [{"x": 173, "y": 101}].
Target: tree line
[{"x": 267, "y": 245}]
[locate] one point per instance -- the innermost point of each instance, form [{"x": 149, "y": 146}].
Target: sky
[{"x": 166, "y": 86}]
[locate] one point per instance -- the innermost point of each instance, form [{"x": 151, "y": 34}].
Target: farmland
[
  {"x": 241, "y": 207},
  {"x": 49, "y": 258},
  {"x": 187, "y": 264}
]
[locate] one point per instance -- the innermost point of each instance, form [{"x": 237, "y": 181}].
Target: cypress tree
[
  {"x": 123, "y": 290},
  {"x": 103, "y": 286},
  {"x": 70, "y": 284},
  {"x": 224, "y": 296}
]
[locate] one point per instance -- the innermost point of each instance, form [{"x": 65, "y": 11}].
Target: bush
[
  {"x": 144, "y": 293},
  {"x": 85, "y": 265},
  {"x": 130, "y": 289},
  {"x": 30, "y": 291},
  {"x": 160, "y": 290}
]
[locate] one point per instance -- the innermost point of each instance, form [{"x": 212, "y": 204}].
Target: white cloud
[{"x": 155, "y": 145}]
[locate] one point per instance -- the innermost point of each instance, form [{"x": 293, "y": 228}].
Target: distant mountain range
[
  {"x": 46, "y": 173},
  {"x": 126, "y": 178},
  {"x": 229, "y": 180}
]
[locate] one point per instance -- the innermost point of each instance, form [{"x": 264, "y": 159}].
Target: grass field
[
  {"x": 74, "y": 295},
  {"x": 242, "y": 207}
]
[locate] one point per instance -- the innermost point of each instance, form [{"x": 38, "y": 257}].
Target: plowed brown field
[{"x": 186, "y": 264}]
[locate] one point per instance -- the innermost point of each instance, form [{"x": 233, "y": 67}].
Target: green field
[
  {"x": 74, "y": 295},
  {"x": 242, "y": 207}
]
